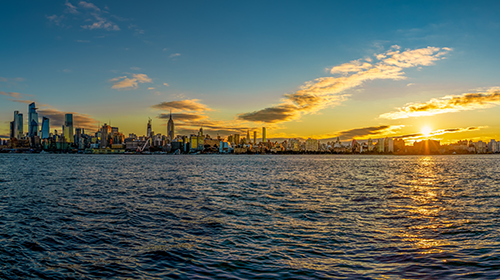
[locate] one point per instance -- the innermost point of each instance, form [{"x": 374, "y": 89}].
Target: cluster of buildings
[{"x": 109, "y": 140}]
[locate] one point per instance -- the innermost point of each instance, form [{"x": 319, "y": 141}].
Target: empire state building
[{"x": 170, "y": 129}]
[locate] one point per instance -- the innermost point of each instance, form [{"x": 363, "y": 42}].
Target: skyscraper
[
  {"x": 68, "y": 128},
  {"x": 149, "y": 131},
  {"x": 17, "y": 126},
  {"x": 263, "y": 135},
  {"x": 255, "y": 137},
  {"x": 45, "y": 128},
  {"x": 33, "y": 120},
  {"x": 248, "y": 137},
  {"x": 170, "y": 129}
]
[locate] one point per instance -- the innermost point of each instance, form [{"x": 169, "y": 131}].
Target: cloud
[
  {"x": 55, "y": 19},
  {"x": 67, "y": 70},
  {"x": 419, "y": 136},
  {"x": 11, "y": 80},
  {"x": 11, "y": 94},
  {"x": 88, "y": 5},
  {"x": 57, "y": 119},
  {"x": 101, "y": 23},
  {"x": 165, "y": 84},
  {"x": 328, "y": 91},
  {"x": 183, "y": 105},
  {"x": 126, "y": 83},
  {"x": 82, "y": 41},
  {"x": 175, "y": 55},
  {"x": 88, "y": 13},
  {"x": 17, "y": 97},
  {"x": 410, "y": 84},
  {"x": 151, "y": 88},
  {"x": 70, "y": 8},
  {"x": 183, "y": 117},
  {"x": 370, "y": 131},
  {"x": 447, "y": 104}
]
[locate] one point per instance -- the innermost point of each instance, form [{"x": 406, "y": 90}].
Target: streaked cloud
[
  {"x": 447, "y": 104},
  {"x": 17, "y": 97},
  {"x": 82, "y": 41},
  {"x": 80, "y": 120},
  {"x": 175, "y": 55},
  {"x": 328, "y": 91},
  {"x": 183, "y": 105},
  {"x": 88, "y": 5},
  {"x": 151, "y": 88},
  {"x": 183, "y": 117},
  {"x": 87, "y": 13},
  {"x": 165, "y": 84},
  {"x": 126, "y": 83},
  {"x": 11, "y": 80}
]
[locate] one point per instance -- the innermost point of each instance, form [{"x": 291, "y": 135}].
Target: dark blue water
[{"x": 241, "y": 217}]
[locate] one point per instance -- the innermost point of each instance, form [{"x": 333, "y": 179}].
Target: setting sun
[{"x": 426, "y": 131}]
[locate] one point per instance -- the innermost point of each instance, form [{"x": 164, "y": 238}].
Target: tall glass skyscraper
[
  {"x": 45, "y": 128},
  {"x": 263, "y": 135},
  {"x": 68, "y": 128},
  {"x": 33, "y": 120},
  {"x": 17, "y": 126}
]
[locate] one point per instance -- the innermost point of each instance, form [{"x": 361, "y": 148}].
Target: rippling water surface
[{"x": 240, "y": 217}]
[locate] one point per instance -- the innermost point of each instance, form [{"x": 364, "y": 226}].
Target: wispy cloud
[
  {"x": 88, "y": 13},
  {"x": 447, "y": 104},
  {"x": 82, "y": 41},
  {"x": 183, "y": 105},
  {"x": 165, "y": 84},
  {"x": 175, "y": 55},
  {"x": 126, "y": 83},
  {"x": 57, "y": 119},
  {"x": 17, "y": 97},
  {"x": 328, "y": 91},
  {"x": 11, "y": 80},
  {"x": 88, "y": 5}
]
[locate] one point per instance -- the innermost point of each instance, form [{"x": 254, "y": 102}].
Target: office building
[
  {"x": 32, "y": 120},
  {"x": 255, "y": 137},
  {"x": 170, "y": 129},
  {"x": 68, "y": 128},
  {"x": 263, "y": 135},
  {"x": 44, "y": 134}
]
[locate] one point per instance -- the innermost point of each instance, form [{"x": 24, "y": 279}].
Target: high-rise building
[
  {"x": 68, "y": 128},
  {"x": 236, "y": 139},
  {"x": 16, "y": 126},
  {"x": 105, "y": 131},
  {"x": 149, "y": 132},
  {"x": 255, "y": 137},
  {"x": 45, "y": 128},
  {"x": 33, "y": 120},
  {"x": 170, "y": 129},
  {"x": 263, "y": 135},
  {"x": 78, "y": 135},
  {"x": 248, "y": 137}
]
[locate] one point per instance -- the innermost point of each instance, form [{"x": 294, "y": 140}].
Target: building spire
[{"x": 170, "y": 113}]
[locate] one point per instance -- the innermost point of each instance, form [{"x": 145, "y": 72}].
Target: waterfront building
[
  {"x": 105, "y": 131},
  {"x": 389, "y": 145},
  {"x": 381, "y": 145},
  {"x": 68, "y": 130},
  {"x": 45, "y": 132},
  {"x": 32, "y": 120},
  {"x": 249, "y": 141},
  {"x": 18, "y": 125},
  {"x": 236, "y": 139},
  {"x": 312, "y": 145},
  {"x": 170, "y": 129},
  {"x": 255, "y": 137},
  {"x": 263, "y": 135}
]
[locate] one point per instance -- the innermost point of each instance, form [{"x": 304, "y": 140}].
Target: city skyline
[{"x": 234, "y": 67}]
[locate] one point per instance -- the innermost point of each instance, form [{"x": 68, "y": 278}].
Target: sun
[{"x": 426, "y": 131}]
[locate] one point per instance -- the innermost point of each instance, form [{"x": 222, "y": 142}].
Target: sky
[{"x": 302, "y": 69}]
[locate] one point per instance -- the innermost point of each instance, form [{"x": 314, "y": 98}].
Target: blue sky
[{"x": 114, "y": 60}]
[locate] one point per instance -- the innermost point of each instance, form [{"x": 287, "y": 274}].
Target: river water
[{"x": 249, "y": 216}]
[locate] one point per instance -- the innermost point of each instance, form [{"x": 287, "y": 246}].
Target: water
[{"x": 241, "y": 217}]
